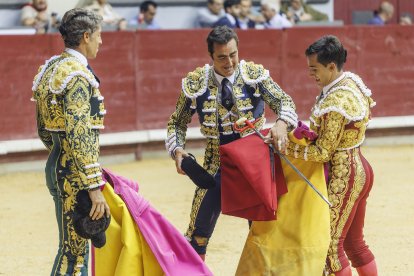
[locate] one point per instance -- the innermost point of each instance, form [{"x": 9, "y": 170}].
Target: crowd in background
[{"x": 240, "y": 14}]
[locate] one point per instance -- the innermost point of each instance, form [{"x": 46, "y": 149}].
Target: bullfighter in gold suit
[
  {"x": 220, "y": 94},
  {"x": 70, "y": 113}
]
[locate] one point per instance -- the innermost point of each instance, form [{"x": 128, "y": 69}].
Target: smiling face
[
  {"x": 225, "y": 58},
  {"x": 322, "y": 74},
  {"x": 93, "y": 41}
]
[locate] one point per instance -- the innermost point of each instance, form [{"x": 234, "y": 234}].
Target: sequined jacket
[
  {"x": 252, "y": 87},
  {"x": 340, "y": 117},
  {"x": 68, "y": 103}
]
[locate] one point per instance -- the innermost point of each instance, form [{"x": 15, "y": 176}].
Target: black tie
[
  {"x": 226, "y": 96},
  {"x": 90, "y": 69}
]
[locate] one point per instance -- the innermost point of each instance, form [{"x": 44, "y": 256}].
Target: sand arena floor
[{"x": 28, "y": 232}]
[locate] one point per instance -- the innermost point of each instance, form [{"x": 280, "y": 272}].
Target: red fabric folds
[{"x": 247, "y": 188}]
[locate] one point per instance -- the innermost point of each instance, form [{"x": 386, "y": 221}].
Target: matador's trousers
[
  {"x": 72, "y": 255},
  {"x": 206, "y": 209},
  {"x": 351, "y": 180}
]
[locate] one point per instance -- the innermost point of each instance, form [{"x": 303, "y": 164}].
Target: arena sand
[{"x": 28, "y": 232}]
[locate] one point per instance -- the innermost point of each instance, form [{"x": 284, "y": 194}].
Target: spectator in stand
[
  {"x": 111, "y": 19},
  {"x": 383, "y": 14},
  {"x": 35, "y": 15},
  {"x": 146, "y": 17},
  {"x": 246, "y": 18},
  {"x": 274, "y": 18},
  {"x": 206, "y": 17},
  {"x": 298, "y": 11},
  {"x": 231, "y": 18},
  {"x": 406, "y": 19}
]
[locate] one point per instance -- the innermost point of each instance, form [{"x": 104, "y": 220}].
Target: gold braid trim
[
  {"x": 195, "y": 83},
  {"x": 252, "y": 73}
]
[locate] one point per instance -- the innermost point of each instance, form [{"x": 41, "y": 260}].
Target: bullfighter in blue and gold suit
[
  {"x": 70, "y": 114},
  {"x": 221, "y": 94}
]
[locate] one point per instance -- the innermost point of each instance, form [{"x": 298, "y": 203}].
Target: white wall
[{"x": 61, "y": 6}]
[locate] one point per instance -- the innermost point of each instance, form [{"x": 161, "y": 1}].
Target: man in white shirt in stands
[
  {"x": 206, "y": 17},
  {"x": 274, "y": 19}
]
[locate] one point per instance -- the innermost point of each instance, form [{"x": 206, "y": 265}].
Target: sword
[{"x": 244, "y": 121}]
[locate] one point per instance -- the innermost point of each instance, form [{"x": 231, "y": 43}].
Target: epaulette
[
  {"x": 253, "y": 74},
  {"x": 195, "y": 83},
  {"x": 345, "y": 100},
  {"x": 65, "y": 70},
  {"x": 41, "y": 72}
]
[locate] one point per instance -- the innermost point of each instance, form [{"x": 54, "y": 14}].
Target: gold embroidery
[
  {"x": 198, "y": 198},
  {"x": 194, "y": 83},
  {"x": 253, "y": 72},
  {"x": 51, "y": 105},
  {"x": 244, "y": 104},
  {"x": 64, "y": 266},
  {"x": 209, "y": 105},
  {"x": 71, "y": 110},
  {"x": 211, "y": 113},
  {"x": 342, "y": 164},
  {"x": 340, "y": 118}
]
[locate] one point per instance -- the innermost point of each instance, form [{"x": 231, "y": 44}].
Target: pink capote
[{"x": 172, "y": 251}]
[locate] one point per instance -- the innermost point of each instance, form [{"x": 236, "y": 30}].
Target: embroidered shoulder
[
  {"x": 345, "y": 100},
  {"x": 358, "y": 81},
  {"x": 195, "y": 83},
  {"x": 361, "y": 86},
  {"x": 65, "y": 70},
  {"x": 253, "y": 73},
  {"x": 41, "y": 72}
]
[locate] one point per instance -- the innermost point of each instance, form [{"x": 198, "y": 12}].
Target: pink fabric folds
[{"x": 173, "y": 252}]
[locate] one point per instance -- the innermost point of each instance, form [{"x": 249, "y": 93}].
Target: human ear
[{"x": 86, "y": 36}]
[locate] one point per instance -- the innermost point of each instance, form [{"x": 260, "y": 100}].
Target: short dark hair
[
  {"x": 230, "y": 3},
  {"x": 146, "y": 4},
  {"x": 328, "y": 49},
  {"x": 220, "y": 35},
  {"x": 75, "y": 23}
]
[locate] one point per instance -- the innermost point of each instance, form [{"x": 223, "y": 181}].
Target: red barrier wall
[{"x": 141, "y": 71}]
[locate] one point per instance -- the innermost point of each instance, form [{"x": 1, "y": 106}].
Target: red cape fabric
[{"x": 247, "y": 188}]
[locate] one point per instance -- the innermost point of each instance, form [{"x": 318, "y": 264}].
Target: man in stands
[
  {"x": 383, "y": 14},
  {"x": 274, "y": 18},
  {"x": 206, "y": 17},
  {"x": 231, "y": 18},
  {"x": 146, "y": 17},
  {"x": 111, "y": 19},
  {"x": 298, "y": 11},
  {"x": 246, "y": 19},
  {"x": 35, "y": 15}
]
